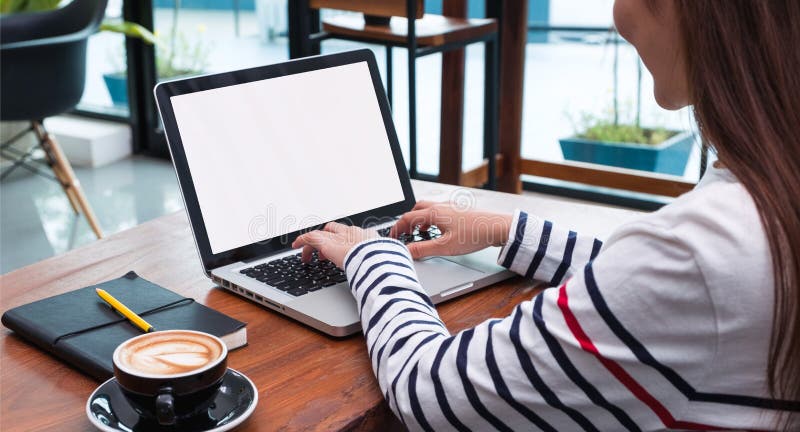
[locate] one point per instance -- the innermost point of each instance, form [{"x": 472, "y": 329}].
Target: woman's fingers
[
  {"x": 307, "y": 251},
  {"x": 331, "y": 243},
  {"x": 437, "y": 246},
  {"x": 420, "y": 205},
  {"x": 408, "y": 221},
  {"x": 314, "y": 240},
  {"x": 335, "y": 227}
]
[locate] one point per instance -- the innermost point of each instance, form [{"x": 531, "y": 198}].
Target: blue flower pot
[
  {"x": 117, "y": 85},
  {"x": 669, "y": 157}
]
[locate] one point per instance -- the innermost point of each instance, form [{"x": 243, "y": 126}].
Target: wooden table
[{"x": 306, "y": 380}]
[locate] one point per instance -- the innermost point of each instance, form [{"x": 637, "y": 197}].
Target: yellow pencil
[{"x": 127, "y": 313}]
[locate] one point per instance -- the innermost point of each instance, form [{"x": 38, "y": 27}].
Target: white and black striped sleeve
[
  {"x": 542, "y": 251},
  {"x": 593, "y": 354}
]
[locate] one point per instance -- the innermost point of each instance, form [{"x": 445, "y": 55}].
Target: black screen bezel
[{"x": 164, "y": 91}]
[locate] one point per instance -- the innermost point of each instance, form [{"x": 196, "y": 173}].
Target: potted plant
[
  {"x": 117, "y": 83},
  {"x": 176, "y": 56},
  {"x": 606, "y": 140}
]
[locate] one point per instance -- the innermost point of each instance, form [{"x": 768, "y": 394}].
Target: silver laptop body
[
  {"x": 333, "y": 309},
  {"x": 226, "y": 158}
]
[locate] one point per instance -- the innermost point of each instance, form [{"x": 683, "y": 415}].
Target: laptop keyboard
[
  {"x": 415, "y": 236},
  {"x": 297, "y": 278}
]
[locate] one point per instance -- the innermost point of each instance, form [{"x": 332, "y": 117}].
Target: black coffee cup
[{"x": 158, "y": 385}]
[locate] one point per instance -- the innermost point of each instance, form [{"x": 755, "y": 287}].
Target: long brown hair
[{"x": 743, "y": 60}]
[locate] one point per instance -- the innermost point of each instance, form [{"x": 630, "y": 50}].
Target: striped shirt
[{"x": 664, "y": 326}]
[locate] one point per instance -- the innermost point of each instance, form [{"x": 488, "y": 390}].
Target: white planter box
[{"x": 89, "y": 142}]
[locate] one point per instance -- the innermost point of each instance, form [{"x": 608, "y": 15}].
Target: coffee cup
[{"x": 170, "y": 375}]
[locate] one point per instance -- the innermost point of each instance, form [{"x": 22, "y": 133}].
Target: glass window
[
  {"x": 202, "y": 36},
  {"x": 571, "y": 83},
  {"x": 106, "y": 70},
  {"x": 591, "y": 85}
]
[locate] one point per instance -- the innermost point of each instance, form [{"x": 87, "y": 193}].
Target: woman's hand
[
  {"x": 332, "y": 242},
  {"x": 463, "y": 231}
]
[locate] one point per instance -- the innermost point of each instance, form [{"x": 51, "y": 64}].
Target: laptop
[{"x": 263, "y": 155}]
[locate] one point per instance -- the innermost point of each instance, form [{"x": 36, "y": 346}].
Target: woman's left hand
[{"x": 332, "y": 242}]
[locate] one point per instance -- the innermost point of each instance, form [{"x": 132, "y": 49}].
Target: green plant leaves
[
  {"x": 130, "y": 29},
  {"x": 606, "y": 131}
]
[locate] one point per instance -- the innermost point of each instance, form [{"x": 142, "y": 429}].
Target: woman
[{"x": 685, "y": 319}]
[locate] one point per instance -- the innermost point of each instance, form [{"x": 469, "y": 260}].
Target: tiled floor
[{"x": 36, "y": 220}]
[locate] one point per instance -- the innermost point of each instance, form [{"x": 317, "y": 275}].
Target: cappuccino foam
[{"x": 169, "y": 353}]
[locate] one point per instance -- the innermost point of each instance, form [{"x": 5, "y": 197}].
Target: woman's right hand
[{"x": 463, "y": 231}]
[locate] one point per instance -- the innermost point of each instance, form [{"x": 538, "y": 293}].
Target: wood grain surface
[
  {"x": 610, "y": 177},
  {"x": 306, "y": 380}
]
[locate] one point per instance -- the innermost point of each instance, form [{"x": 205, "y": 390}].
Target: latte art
[{"x": 169, "y": 353}]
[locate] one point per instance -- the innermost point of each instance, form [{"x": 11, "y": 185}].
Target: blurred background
[{"x": 579, "y": 79}]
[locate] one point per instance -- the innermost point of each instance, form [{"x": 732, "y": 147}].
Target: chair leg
[
  {"x": 389, "y": 71},
  {"x": 451, "y": 134},
  {"x": 303, "y": 22},
  {"x": 411, "y": 39},
  {"x": 70, "y": 183},
  {"x": 63, "y": 180},
  {"x": 60, "y": 175},
  {"x": 490, "y": 110},
  {"x": 412, "y": 113},
  {"x": 73, "y": 201}
]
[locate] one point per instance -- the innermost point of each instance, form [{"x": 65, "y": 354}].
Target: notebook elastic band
[{"x": 180, "y": 302}]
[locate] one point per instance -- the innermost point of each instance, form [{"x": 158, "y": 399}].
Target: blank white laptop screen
[{"x": 274, "y": 156}]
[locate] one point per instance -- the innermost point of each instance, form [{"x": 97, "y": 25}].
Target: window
[
  {"x": 106, "y": 71},
  {"x": 580, "y": 74}
]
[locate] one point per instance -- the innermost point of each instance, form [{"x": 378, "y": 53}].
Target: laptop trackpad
[{"x": 438, "y": 274}]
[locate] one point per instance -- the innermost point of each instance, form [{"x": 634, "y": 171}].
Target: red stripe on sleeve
[{"x": 619, "y": 373}]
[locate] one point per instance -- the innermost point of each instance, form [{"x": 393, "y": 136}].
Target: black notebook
[{"x": 82, "y": 330}]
